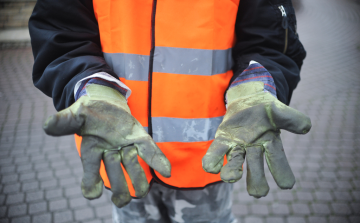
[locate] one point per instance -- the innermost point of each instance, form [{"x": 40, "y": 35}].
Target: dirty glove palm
[
  {"x": 251, "y": 127},
  {"x": 110, "y": 133}
]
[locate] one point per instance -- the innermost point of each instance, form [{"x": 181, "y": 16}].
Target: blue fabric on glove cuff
[{"x": 256, "y": 72}]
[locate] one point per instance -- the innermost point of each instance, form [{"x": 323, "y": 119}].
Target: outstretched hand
[
  {"x": 110, "y": 133},
  {"x": 251, "y": 128}
]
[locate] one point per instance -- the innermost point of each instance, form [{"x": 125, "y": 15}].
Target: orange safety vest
[{"x": 176, "y": 58}]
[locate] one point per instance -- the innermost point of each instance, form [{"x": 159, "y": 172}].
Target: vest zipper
[
  {"x": 152, "y": 51},
  {"x": 285, "y": 25}
]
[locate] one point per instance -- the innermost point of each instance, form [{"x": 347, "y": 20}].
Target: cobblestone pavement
[{"x": 40, "y": 175}]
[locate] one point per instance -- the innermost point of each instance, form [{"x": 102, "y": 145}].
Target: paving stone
[
  {"x": 10, "y": 178},
  {"x": 94, "y": 221},
  {"x": 337, "y": 219},
  {"x": 84, "y": 214},
  {"x": 323, "y": 196},
  {"x": 27, "y": 176},
  {"x": 3, "y": 211},
  {"x": 60, "y": 204},
  {"x": 30, "y": 186},
  {"x": 304, "y": 196},
  {"x": 42, "y": 218},
  {"x": 342, "y": 196},
  {"x": 34, "y": 196},
  {"x": 41, "y": 166},
  {"x": 301, "y": 209},
  {"x": 17, "y": 210},
  {"x": 315, "y": 219},
  {"x": 7, "y": 169},
  {"x": 356, "y": 208},
  {"x": 285, "y": 196},
  {"x": 356, "y": 195},
  {"x": 14, "y": 198},
  {"x": 280, "y": 209},
  {"x": 2, "y": 199},
  {"x": 64, "y": 172},
  {"x": 11, "y": 188},
  {"x": 108, "y": 220},
  {"x": 37, "y": 207},
  {"x": 274, "y": 220},
  {"x": 24, "y": 168},
  {"x": 71, "y": 181},
  {"x": 320, "y": 208},
  {"x": 64, "y": 216},
  {"x": 73, "y": 192},
  {"x": 341, "y": 208},
  {"x": 326, "y": 185},
  {"x": 58, "y": 163},
  {"x": 237, "y": 210},
  {"x": 25, "y": 219},
  {"x": 253, "y": 220},
  {"x": 296, "y": 220},
  {"x": 307, "y": 185},
  {"x": 341, "y": 184},
  {"x": 54, "y": 193},
  {"x": 78, "y": 202},
  {"x": 354, "y": 219},
  {"x": 48, "y": 184},
  {"x": 106, "y": 211},
  {"x": 259, "y": 209},
  {"x": 45, "y": 175},
  {"x": 4, "y": 220}
]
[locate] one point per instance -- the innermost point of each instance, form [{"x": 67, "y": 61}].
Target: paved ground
[{"x": 40, "y": 175}]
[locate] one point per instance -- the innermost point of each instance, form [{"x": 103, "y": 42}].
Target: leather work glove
[
  {"x": 110, "y": 133},
  {"x": 251, "y": 127}
]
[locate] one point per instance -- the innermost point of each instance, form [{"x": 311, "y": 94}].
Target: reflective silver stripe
[
  {"x": 146, "y": 129},
  {"x": 129, "y": 66},
  {"x": 192, "y": 61},
  {"x": 171, "y": 60},
  {"x": 184, "y": 130}
]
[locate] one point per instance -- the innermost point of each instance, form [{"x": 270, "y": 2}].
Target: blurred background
[{"x": 40, "y": 175}]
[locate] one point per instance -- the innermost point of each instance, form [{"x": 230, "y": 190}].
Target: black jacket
[{"x": 66, "y": 45}]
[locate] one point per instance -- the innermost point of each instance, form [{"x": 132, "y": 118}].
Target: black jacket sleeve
[
  {"x": 66, "y": 47},
  {"x": 264, "y": 35}
]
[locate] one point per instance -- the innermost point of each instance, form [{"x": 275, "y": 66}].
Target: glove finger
[
  {"x": 232, "y": 171},
  {"x": 119, "y": 188},
  {"x": 278, "y": 164},
  {"x": 153, "y": 156},
  {"x": 213, "y": 160},
  {"x": 62, "y": 123},
  {"x": 136, "y": 173},
  {"x": 92, "y": 184},
  {"x": 257, "y": 185},
  {"x": 285, "y": 117}
]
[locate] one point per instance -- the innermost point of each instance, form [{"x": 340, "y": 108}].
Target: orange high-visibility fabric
[
  {"x": 125, "y": 28},
  {"x": 197, "y": 24},
  {"x": 125, "y": 25},
  {"x": 189, "y": 97},
  {"x": 138, "y": 102},
  {"x": 191, "y": 173}
]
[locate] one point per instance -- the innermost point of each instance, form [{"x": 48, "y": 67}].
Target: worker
[{"x": 168, "y": 98}]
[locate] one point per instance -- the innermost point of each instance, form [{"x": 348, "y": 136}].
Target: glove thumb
[
  {"x": 285, "y": 117},
  {"x": 63, "y": 123}
]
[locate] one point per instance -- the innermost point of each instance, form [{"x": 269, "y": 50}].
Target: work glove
[
  {"x": 251, "y": 127},
  {"x": 109, "y": 133}
]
